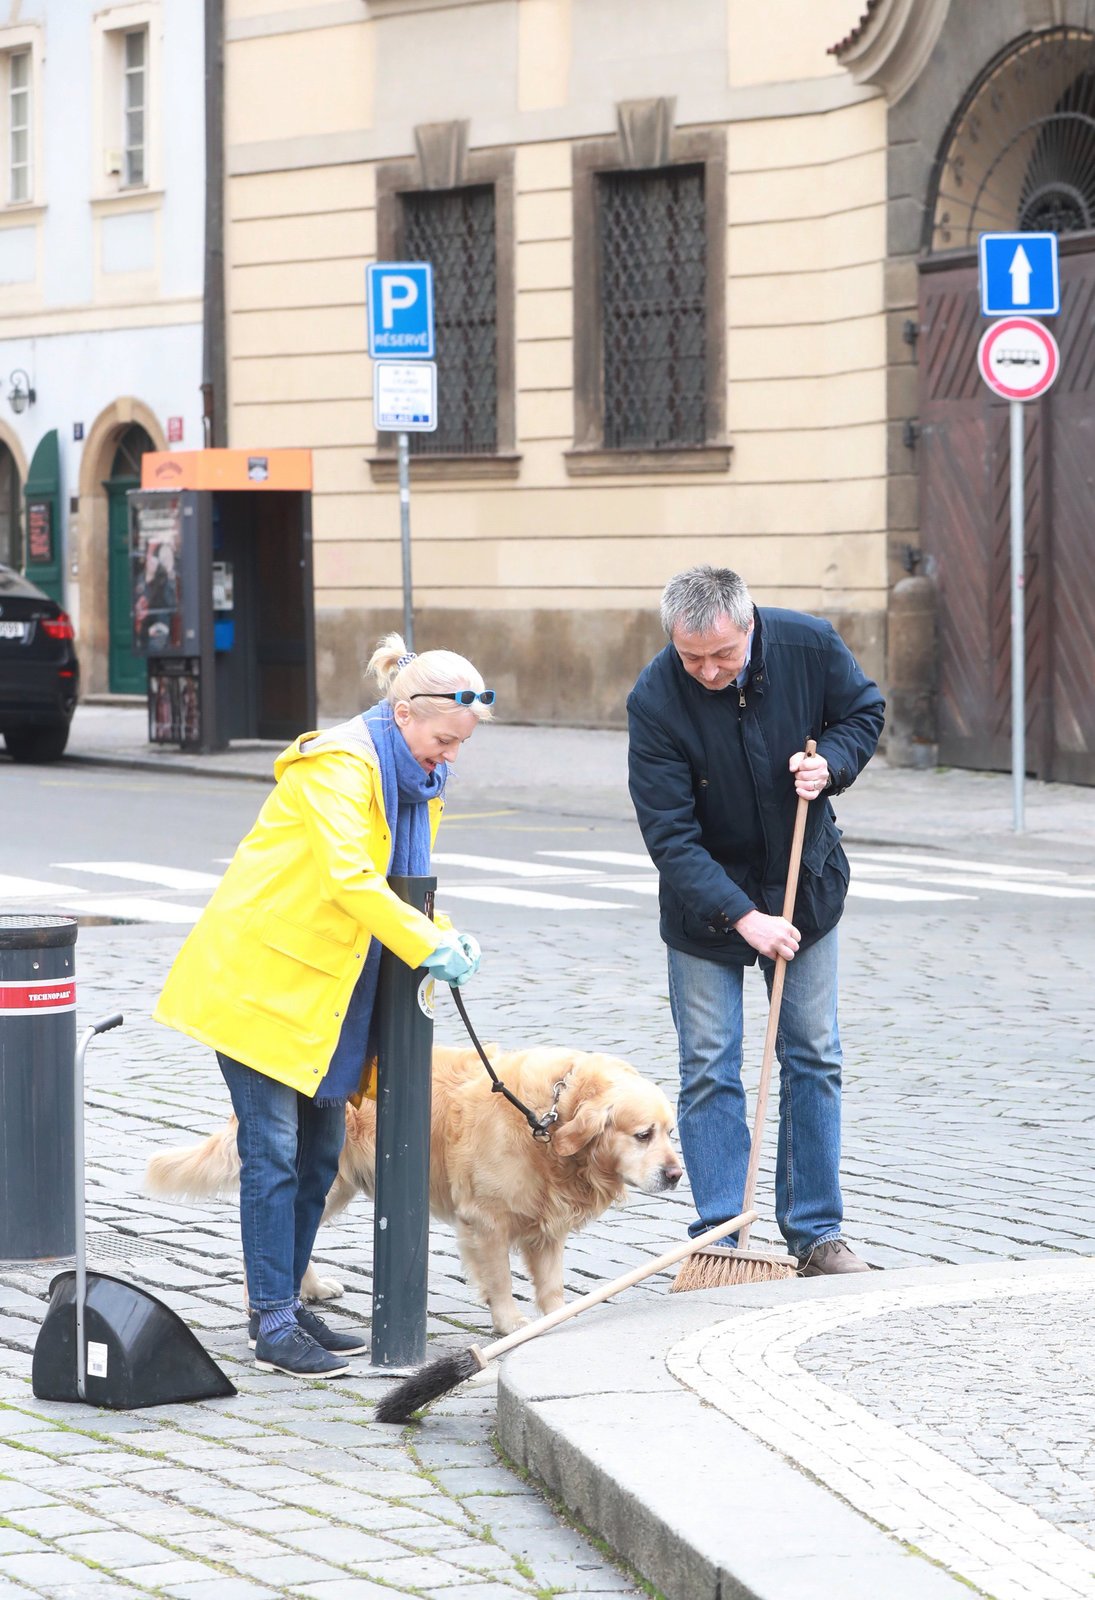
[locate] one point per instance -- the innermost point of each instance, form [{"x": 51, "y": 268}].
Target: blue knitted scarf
[{"x": 407, "y": 790}]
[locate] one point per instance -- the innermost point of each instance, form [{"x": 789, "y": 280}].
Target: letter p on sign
[
  {"x": 397, "y": 293},
  {"x": 400, "y": 310}
]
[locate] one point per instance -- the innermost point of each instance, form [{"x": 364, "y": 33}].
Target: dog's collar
[{"x": 544, "y": 1125}]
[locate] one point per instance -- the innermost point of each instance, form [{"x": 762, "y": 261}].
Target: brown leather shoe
[{"x": 831, "y": 1257}]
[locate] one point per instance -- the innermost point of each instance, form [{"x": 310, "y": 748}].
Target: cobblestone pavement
[
  {"x": 1007, "y": 1396},
  {"x": 969, "y": 1072}
]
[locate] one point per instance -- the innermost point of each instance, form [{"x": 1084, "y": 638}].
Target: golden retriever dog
[{"x": 499, "y": 1187}]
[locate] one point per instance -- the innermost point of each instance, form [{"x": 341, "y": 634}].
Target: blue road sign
[
  {"x": 1018, "y": 273},
  {"x": 400, "y": 297}
]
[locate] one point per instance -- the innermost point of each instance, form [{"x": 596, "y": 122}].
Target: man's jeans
[
  {"x": 707, "y": 1009},
  {"x": 289, "y": 1149}
]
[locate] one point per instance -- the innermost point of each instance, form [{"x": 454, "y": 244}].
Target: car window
[{"x": 12, "y": 582}]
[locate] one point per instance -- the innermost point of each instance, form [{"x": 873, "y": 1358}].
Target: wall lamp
[{"x": 22, "y": 393}]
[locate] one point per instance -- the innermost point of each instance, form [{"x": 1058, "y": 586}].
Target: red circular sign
[{"x": 1018, "y": 358}]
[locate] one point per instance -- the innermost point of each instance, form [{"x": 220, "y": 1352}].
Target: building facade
[
  {"x": 658, "y": 234},
  {"x": 101, "y": 261},
  {"x": 706, "y": 291}
]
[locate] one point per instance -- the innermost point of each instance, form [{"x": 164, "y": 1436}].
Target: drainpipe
[{"x": 214, "y": 362}]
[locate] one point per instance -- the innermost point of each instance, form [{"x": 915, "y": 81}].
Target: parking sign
[{"x": 400, "y": 299}]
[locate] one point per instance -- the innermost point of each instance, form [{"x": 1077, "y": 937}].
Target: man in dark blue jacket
[{"x": 718, "y": 723}]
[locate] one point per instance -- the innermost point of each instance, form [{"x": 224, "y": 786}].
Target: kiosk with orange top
[{"x": 220, "y": 549}]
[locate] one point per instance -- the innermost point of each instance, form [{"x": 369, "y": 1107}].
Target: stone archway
[
  {"x": 93, "y": 531},
  {"x": 1019, "y": 157}
]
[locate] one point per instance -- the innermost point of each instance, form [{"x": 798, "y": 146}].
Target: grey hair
[
  {"x": 696, "y": 599},
  {"x": 400, "y": 674}
]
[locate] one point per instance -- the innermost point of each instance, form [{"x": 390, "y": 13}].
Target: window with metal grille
[
  {"x": 454, "y": 229},
  {"x": 653, "y": 307}
]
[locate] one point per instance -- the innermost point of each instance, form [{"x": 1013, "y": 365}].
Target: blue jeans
[
  {"x": 289, "y": 1149},
  {"x": 706, "y": 1000}
]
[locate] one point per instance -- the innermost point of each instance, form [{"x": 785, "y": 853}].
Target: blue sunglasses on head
[{"x": 463, "y": 697}]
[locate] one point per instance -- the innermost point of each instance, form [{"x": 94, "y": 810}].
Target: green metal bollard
[{"x": 401, "y": 1215}]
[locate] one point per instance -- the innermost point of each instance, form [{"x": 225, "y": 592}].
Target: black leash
[{"x": 541, "y": 1126}]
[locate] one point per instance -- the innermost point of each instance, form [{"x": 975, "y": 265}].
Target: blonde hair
[{"x": 400, "y": 674}]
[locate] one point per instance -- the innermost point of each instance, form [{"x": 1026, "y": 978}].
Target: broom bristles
[
  {"x": 722, "y": 1269},
  {"x": 427, "y": 1384}
]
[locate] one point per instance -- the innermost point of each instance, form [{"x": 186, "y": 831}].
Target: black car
[{"x": 39, "y": 672}]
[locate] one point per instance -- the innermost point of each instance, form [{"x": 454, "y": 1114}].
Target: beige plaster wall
[{"x": 568, "y": 570}]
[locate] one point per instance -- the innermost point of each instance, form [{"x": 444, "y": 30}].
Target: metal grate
[
  {"x": 653, "y": 298},
  {"x": 454, "y": 229},
  {"x": 1023, "y": 152}
]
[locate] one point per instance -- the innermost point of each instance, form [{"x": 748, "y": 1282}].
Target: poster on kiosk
[{"x": 220, "y": 570}]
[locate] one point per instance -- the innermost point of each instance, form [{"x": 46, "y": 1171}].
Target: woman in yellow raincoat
[{"x": 279, "y": 973}]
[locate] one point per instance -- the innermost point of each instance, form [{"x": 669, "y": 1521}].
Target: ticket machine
[{"x": 220, "y": 550}]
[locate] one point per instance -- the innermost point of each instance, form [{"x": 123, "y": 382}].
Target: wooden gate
[{"x": 965, "y": 523}]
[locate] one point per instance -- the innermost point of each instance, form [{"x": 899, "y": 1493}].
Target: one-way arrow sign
[{"x": 1019, "y": 273}]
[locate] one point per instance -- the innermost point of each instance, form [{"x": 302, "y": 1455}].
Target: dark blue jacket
[{"x": 713, "y": 794}]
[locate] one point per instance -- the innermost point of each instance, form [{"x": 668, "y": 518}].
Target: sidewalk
[{"x": 582, "y": 772}]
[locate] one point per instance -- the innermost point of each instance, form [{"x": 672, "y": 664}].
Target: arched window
[
  {"x": 127, "y": 457},
  {"x": 1021, "y": 152}
]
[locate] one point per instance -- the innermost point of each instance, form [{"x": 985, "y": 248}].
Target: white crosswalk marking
[
  {"x": 533, "y": 899},
  {"x": 516, "y": 869},
  {"x": 987, "y": 876},
  {"x": 899, "y": 892},
  {"x": 606, "y": 858},
  {"x": 138, "y": 908},
  {"x": 31, "y": 889},
  {"x": 912, "y": 858},
  {"x": 587, "y": 880},
  {"x": 179, "y": 878}
]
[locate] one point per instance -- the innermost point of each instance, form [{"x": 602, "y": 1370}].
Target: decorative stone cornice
[{"x": 890, "y": 44}]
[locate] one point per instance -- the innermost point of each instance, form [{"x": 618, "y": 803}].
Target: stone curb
[{"x": 700, "y": 1507}]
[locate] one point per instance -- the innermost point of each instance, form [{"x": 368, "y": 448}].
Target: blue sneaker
[
  {"x": 339, "y": 1344},
  {"x": 296, "y": 1353}
]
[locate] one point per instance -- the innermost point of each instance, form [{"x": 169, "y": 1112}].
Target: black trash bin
[{"x": 37, "y": 1051}]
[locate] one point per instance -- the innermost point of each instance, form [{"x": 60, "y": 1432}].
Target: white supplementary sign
[
  {"x": 1018, "y": 358},
  {"x": 405, "y": 396}
]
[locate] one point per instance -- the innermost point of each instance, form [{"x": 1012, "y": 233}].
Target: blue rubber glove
[{"x": 454, "y": 961}]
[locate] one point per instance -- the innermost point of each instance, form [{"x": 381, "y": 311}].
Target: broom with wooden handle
[
  {"x": 720, "y": 1269},
  {"x": 437, "y": 1378}
]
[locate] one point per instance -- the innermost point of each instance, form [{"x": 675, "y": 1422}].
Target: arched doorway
[
  {"x": 1019, "y": 155},
  {"x": 128, "y": 674},
  {"x": 11, "y": 522}
]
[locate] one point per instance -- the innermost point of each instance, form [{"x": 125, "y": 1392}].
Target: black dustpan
[{"x": 106, "y": 1342}]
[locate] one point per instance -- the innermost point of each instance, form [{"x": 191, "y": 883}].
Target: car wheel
[{"x": 37, "y": 744}]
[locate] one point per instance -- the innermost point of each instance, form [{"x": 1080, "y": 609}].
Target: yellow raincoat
[{"x": 267, "y": 972}]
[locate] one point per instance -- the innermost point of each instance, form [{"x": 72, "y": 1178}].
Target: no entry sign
[{"x": 1018, "y": 358}]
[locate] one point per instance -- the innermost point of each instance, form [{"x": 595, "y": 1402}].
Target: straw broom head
[{"x": 723, "y": 1269}]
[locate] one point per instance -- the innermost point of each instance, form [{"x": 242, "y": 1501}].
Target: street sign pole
[
  {"x": 401, "y": 343},
  {"x": 1019, "y": 360},
  {"x": 1018, "y": 619},
  {"x": 403, "y": 450}
]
